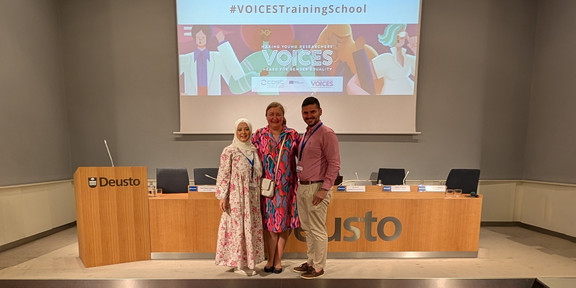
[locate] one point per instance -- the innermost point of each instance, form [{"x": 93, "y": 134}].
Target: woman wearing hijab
[
  {"x": 279, "y": 212},
  {"x": 240, "y": 244}
]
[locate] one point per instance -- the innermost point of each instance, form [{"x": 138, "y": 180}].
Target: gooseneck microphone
[
  {"x": 405, "y": 176},
  {"x": 347, "y": 181},
  {"x": 208, "y": 176},
  {"x": 109, "y": 155}
]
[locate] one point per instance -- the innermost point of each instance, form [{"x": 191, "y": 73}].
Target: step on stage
[{"x": 280, "y": 283}]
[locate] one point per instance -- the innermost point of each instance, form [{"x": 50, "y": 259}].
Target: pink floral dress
[{"x": 240, "y": 242}]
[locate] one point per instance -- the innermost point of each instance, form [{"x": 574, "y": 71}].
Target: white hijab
[{"x": 243, "y": 146}]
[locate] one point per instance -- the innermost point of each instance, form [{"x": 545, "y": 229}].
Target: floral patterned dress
[
  {"x": 279, "y": 212},
  {"x": 240, "y": 243}
]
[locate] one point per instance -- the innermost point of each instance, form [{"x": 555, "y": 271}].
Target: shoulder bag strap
[{"x": 278, "y": 160}]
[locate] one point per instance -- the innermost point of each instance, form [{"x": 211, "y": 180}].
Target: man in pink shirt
[{"x": 318, "y": 166}]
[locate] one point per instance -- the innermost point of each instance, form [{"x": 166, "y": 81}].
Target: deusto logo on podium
[
  {"x": 94, "y": 182},
  {"x": 352, "y": 226}
]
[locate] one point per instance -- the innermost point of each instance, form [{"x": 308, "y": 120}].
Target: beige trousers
[{"x": 313, "y": 222}]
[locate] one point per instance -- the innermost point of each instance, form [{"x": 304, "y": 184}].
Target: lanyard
[
  {"x": 251, "y": 162},
  {"x": 306, "y": 141}
]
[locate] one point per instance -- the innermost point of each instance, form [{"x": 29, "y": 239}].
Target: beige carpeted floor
[{"x": 505, "y": 252}]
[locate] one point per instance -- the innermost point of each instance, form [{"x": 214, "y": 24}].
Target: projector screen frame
[{"x": 346, "y": 114}]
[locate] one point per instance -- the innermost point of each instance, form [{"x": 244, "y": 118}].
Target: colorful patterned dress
[
  {"x": 279, "y": 212},
  {"x": 240, "y": 243}
]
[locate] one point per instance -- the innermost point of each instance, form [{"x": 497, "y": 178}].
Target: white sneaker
[{"x": 245, "y": 271}]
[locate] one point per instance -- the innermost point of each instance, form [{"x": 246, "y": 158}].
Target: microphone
[
  {"x": 405, "y": 176},
  {"x": 208, "y": 176},
  {"x": 360, "y": 182},
  {"x": 347, "y": 181},
  {"x": 355, "y": 182},
  {"x": 109, "y": 155}
]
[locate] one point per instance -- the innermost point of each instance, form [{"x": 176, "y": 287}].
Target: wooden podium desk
[
  {"x": 112, "y": 215},
  {"x": 371, "y": 224}
]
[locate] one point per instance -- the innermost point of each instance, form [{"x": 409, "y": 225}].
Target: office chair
[
  {"x": 338, "y": 179},
  {"x": 172, "y": 180},
  {"x": 391, "y": 176},
  {"x": 465, "y": 179},
  {"x": 200, "y": 177}
]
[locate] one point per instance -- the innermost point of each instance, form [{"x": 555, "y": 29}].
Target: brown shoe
[
  {"x": 312, "y": 274},
  {"x": 302, "y": 268}
]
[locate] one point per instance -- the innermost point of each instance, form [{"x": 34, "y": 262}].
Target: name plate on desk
[
  {"x": 202, "y": 188},
  {"x": 435, "y": 188},
  {"x": 396, "y": 188},
  {"x": 355, "y": 188}
]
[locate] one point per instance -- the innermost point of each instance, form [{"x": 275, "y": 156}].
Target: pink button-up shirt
[{"x": 319, "y": 155}]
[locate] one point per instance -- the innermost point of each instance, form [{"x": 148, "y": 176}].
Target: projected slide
[{"x": 296, "y": 48}]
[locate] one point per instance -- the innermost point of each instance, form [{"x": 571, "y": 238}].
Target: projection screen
[{"x": 359, "y": 58}]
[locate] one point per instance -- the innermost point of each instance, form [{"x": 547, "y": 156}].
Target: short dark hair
[
  {"x": 207, "y": 29},
  {"x": 311, "y": 100}
]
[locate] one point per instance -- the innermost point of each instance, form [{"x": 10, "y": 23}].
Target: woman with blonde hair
[{"x": 277, "y": 146}]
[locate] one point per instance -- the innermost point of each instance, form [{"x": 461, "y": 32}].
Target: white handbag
[{"x": 267, "y": 185}]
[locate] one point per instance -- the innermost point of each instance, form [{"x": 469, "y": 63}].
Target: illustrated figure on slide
[
  {"x": 202, "y": 70},
  {"x": 396, "y": 67}
]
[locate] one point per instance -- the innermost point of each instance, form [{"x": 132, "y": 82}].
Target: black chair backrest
[
  {"x": 200, "y": 176},
  {"x": 391, "y": 176},
  {"x": 338, "y": 180},
  {"x": 465, "y": 179},
  {"x": 172, "y": 180}
]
